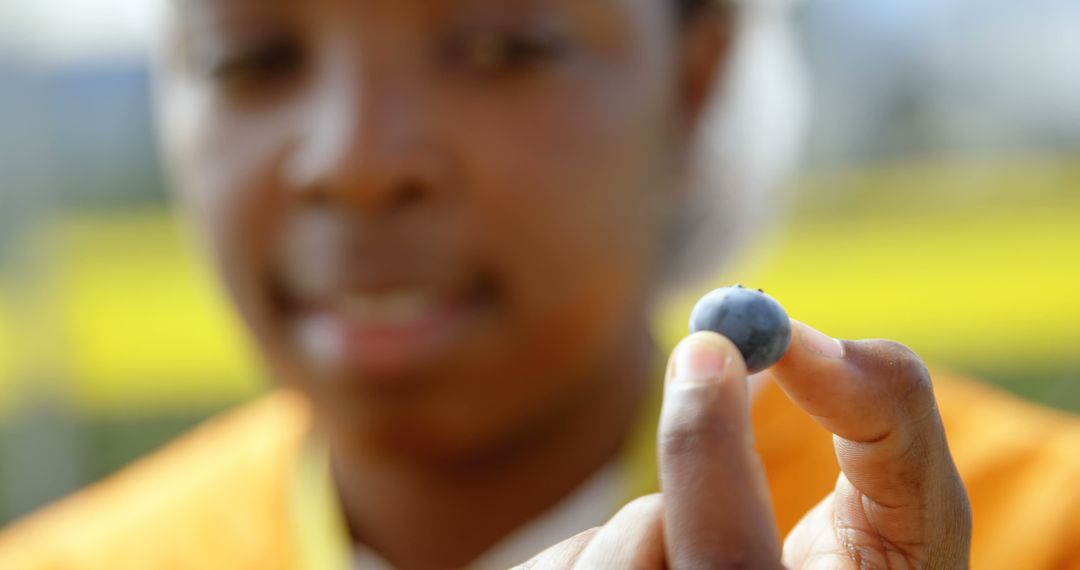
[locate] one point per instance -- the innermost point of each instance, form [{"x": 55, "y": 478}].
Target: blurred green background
[{"x": 940, "y": 206}]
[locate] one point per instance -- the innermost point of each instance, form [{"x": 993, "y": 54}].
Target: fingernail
[
  {"x": 699, "y": 360},
  {"x": 820, "y": 343}
]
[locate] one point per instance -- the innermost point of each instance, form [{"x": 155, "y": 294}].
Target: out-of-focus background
[{"x": 939, "y": 206}]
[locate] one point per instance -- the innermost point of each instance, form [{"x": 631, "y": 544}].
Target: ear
[{"x": 706, "y": 44}]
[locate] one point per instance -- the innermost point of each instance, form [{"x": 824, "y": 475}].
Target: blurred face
[{"x": 440, "y": 219}]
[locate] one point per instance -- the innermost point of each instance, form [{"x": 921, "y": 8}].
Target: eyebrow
[
  {"x": 221, "y": 3},
  {"x": 186, "y": 8}
]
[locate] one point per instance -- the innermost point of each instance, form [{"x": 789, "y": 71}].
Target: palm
[{"x": 848, "y": 529}]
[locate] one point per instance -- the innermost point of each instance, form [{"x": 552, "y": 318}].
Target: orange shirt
[{"x": 237, "y": 492}]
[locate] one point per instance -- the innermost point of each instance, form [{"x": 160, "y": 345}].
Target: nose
[{"x": 365, "y": 140}]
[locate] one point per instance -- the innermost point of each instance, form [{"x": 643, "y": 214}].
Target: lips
[
  {"x": 397, "y": 308},
  {"x": 375, "y": 333},
  {"x": 364, "y": 298}
]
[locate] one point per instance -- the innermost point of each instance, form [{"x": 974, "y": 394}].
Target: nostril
[
  {"x": 314, "y": 195},
  {"x": 408, "y": 194}
]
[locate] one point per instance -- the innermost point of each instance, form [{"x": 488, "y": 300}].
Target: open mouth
[{"x": 385, "y": 331}]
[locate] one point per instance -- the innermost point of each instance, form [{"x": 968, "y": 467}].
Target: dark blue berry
[{"x": 752, "y": 320}]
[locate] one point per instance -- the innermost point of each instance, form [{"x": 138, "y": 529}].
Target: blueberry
[{"x": 752, "y": 320}]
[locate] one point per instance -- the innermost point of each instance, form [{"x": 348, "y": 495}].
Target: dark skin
[{"x": 443, "y": 222}]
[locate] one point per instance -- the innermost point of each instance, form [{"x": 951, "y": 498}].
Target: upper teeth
[{"x": 387, "y": 308}]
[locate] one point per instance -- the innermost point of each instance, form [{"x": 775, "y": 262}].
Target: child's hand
[{"x": 899, "y": 502}]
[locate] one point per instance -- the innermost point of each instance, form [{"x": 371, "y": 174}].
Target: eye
[
  {"x": 260, "y": 66},
  {"x": 494, "y": 53}
]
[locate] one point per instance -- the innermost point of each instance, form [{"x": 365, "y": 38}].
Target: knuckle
[
  {"x": 680, "y": 442},
  {"x": 693, "y": 432},
  {"x": 641, "y": 511},
  {"x": 563, "y": 554},
  {"x": 528, "y": 564},
  {"x": 585, "y": 536},
  {"x": 644, "y": 506},
  {"x": 903, "y": 376}
]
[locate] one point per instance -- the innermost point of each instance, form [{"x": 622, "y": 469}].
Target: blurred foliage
[
  {"x": 143, "y": 322},
  {"x": 6, "y": 375}
]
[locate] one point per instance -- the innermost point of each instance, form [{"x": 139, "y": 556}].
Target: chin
[{"x": 413, "y": 440}]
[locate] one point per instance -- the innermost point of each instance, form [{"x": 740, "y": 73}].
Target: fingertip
[
  {"x": 704, "y": 356},
  {"x": 818, "y": 342},
  {"x": 814, "y": 372},
  {"x": 709, "y": 339},
  {"x": 706, "y": 393}
]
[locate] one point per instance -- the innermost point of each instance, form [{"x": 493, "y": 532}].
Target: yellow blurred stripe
[
  {"x": 144, "y": 321},
  {"x": 6, "y": 374},
  {"x": 1000, "y": 289},
  {"x": 132, "y": 317},
  {"x": 994, "y": 289}
]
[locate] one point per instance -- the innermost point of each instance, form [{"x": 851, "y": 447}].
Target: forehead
[
  {"x": 195, "y": 9},
  {"x": 415, "y": 8},
  {"x": 605, "y": 24}
]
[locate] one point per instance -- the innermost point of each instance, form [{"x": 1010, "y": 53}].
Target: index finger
[{"x": 876, "y": 397}]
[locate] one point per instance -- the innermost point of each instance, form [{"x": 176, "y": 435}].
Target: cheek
[
  {"x": 577, "y": 203},
  {"x": 567, "y": 194},
  {"x": 226, "y": 172},
  {"x": 571, "y": 212}
]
